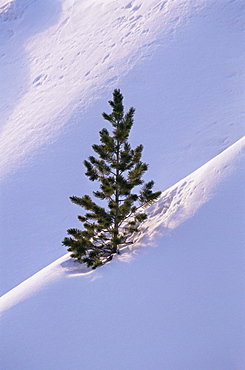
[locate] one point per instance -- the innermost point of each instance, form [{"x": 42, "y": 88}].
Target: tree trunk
[{"x": 115, "y": 248}]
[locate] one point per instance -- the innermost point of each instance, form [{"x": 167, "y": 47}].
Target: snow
[
  {"x": 70, "y": 41},
  {"x": 181, "y": 64},
  {"x": 174, "y": 207},
  {"x": 178, "y": 306}
]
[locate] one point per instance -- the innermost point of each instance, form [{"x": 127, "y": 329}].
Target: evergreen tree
[{"x": 118, "y": 169}]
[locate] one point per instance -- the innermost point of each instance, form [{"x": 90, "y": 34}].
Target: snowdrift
[
  {"x": 175, "y": 206},
  {"x": 70, "y": 315}
]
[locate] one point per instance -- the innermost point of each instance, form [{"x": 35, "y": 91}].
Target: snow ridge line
[
  {"x": 178, "y": 203},
  {"x": 182, "y": 200}
]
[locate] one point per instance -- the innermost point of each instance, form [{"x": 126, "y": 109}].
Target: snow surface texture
[
  {"x": 76, "y": 49},
  {"x": 181, "y": 64},
  {"x": 56, "y": 56}
]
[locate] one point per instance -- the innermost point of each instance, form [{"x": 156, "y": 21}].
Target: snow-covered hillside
[
  {"x": 175, "y": 206},
  {"x": 180, "y": 63},
  {"x": 63, "y": 55},
  {"x": 178, "y": 306},
  {"x": 184, "y": 76}
]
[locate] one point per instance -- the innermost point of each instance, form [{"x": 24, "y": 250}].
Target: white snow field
[
  {"x": 178, "y": 306},
  {"x": 176, "y": 300}
]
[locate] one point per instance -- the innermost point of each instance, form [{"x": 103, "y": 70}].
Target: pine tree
[{"x": 118, "y": 169}]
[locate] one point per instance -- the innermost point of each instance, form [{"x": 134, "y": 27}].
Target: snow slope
[
  {"x": 174, "y": 207},
  {"x": 64, "y": 46},
  {"x": 175, "y": 307},
  {"x": 181, "y": 64}
]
